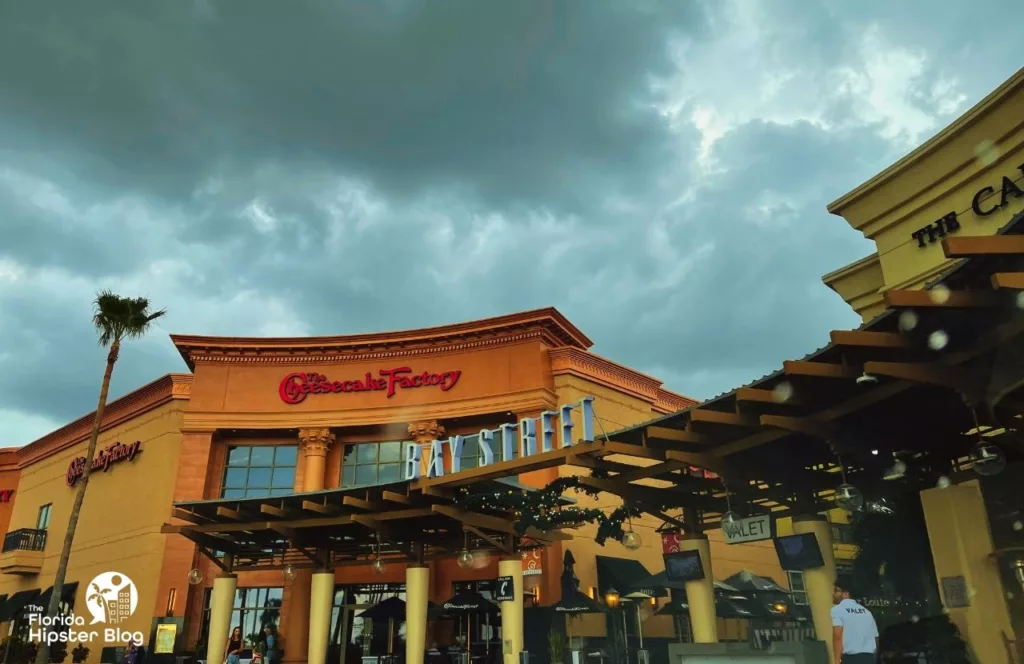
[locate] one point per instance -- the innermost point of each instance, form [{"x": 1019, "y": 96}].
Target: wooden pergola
[{"x": 938, "y": 368}]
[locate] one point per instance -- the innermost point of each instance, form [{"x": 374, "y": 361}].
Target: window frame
[
  {"x": 796, "y": 577},
  {"x": 46, "y": 509},
  {"x": 351, "y": 460},
  {"x": 230, "y": 488}
]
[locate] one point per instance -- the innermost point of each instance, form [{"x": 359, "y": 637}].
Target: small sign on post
[{"x": 505, "y": 591}]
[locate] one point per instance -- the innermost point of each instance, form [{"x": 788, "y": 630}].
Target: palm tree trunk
[{"x": 42, "y": 656}]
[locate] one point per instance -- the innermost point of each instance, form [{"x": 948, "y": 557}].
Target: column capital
[
  {"x": 426, "y": 431},
  {"x": 314, "y": 442}
]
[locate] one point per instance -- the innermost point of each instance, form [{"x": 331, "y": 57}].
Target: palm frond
[{"x": 118, "y": 318}]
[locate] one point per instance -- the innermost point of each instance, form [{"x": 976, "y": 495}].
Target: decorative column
[
  {"x": 424, "y": 433},
  {"x": 512, "y": 612},
  {"x": 417, "y": 587},
  {"x": 222, "y": 601},
  {"x": 314, "y": 444},
  {"x": 820, "y": 582},
  {"x": 700, "y": 594},
  {"x": 321, "y": 602}
]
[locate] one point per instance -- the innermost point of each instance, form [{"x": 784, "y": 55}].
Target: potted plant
[
  {"x": 79, "y": 654},
  {"x": 58, "y": 652},
  {"x": 556, "y": 647}
]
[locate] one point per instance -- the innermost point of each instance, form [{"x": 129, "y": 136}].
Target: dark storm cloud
[{"x": 327, "y": 167}]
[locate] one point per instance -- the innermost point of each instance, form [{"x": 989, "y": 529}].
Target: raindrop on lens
[
  {"x": 782, "y": 392},
  {"x": 914, "y": 619},
  {"x": 908, "y": 321},
  {"x": 849, "y": 498},
  {"x": 289, "y": 572},
  {"x": 899, "y": 467},
  {"x": 631, "y": 540},
  {"x": 939, "y": 294},
  {"x": 465, "y": 559},
  {"x": 943, "y": 482},
  {"x": 195, "y": 577},
  {"x": 1020, "y": 300},
  {"x": 1018, "y": 525},
  {"x": 987, "y": 459},
  {"x": 986, "y": 152},
  {"x": 937, "y": 340}
]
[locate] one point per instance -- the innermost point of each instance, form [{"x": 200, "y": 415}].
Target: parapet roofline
[
  {"x": 837, "y": 206},
  {"x": 554, "y": 327}
]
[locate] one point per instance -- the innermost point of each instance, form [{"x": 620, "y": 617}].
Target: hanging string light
[
  {"x": 465, "y": 558},
  {"x": 379, "y": 566},
  {"x": 289, "y": 572},
  {"x": 631, "y": 539},
  {"x": 987, "y": 458},
  {"x": 848, "y": 497},
  {"x": 730, "y": 520}
]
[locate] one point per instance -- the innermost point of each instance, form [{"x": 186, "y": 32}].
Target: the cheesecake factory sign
[
  {"x": 986, "y": 202},
  {"x": 104, "y": 461},
  {"x": 296, "y": 387}
]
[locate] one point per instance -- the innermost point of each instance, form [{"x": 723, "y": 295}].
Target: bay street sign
[{"x": 751, "y": 529}]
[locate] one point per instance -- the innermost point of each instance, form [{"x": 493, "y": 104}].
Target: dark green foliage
[
  {"x": 79, "y": 654},
  {"x": 543, "y": 509}
]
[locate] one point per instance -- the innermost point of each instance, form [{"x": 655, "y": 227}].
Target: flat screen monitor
[
  {"x": 682, "y": 566},
  {"x": 799, "y": 552}
]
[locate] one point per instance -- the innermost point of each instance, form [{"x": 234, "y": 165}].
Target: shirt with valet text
[{"x": 859, "y": 628}]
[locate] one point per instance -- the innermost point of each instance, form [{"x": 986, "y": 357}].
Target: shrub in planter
[
  {"x": 79, "y": 654},
  {"x": 58, "y": 652}
]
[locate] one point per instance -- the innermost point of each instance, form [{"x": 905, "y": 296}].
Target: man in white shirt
[{"x": 854, "y": 632}]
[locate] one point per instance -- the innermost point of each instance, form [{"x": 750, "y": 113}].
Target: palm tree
[
  {"x": 100, "y": 597},
  {"x": 116, "y": 319}
]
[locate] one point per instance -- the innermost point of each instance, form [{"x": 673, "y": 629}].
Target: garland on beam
[{"x": 543, "y": 509}]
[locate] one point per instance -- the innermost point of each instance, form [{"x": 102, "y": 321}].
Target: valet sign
[{"x": 530, "y": 436}]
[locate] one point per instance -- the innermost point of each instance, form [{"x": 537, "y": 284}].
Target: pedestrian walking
[{"x": 854, "y": 632}]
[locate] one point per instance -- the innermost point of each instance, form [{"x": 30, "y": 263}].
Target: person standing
[
  {"x": 273, "y": 653},
  {"x": 854, "y": 632}
]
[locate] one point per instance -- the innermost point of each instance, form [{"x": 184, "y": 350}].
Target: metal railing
[{"x": 25, "y": 539}]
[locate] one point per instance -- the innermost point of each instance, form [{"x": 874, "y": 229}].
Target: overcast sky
[{"x": 656, "y": 169}]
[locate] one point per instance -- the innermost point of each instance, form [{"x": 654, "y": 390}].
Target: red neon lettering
[{"x": 295, "y": 387}]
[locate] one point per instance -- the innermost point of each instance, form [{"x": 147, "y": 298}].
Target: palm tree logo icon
[{"x": 111, "y": 598}]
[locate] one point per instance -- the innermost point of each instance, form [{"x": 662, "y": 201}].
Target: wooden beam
[
  {"x": 275, "y": 511},
  {"x": 803, "y": 425},
  {"x": 283, "y": 530},
  {"x": 189, "y": 515},
  {"x": 597, "y": 464},
  {"x": 495, "y": 523},
  {"x": 647, "y": 472},
  {"x": 819, "y": 369},
  {"x": 211, "y": 542},
  {"x": 677, "y": 435},
  {"x": 946, "y": 299},
  {"x": 755, "y": 395},
  {"x": 990, "y": 245},
  {"x": 1008, "y": 280},
  {"x": 497, "y": 544},
  {"x": 394, "y": 497},
  {"x": 712, "y": 462},
  {"x": 928, "y": 373},
  {"x": 359, "y": 503},
  {"x": 229, "y": 513},
  {"x": 310, "y": 506},
  {"x": 627, "y": 449},
  {"x": 866, "y": 339},
  {"x": 708, "y": 416}
]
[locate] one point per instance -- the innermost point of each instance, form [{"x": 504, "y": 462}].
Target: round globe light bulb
[
  {"x": 987, "y": 459},
  {"x": 289, "y": 572},
  {"x": 631, "y": 540},
  {"x": 465, "y": 559},
  {"x": 730, "y": 518},
  {"x": 379, "y": 566},
  {"x": 849, "y": 498},
  {"x": 195, "y": 577}
]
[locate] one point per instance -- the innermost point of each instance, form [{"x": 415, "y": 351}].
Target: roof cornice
[
  {"x": 163, "y": 390},
  {"x": 546, "y": 325}
]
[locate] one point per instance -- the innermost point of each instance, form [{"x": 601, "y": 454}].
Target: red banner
[
  {"x": 670, "y": 542},
  {"x": 533, "y": 562}
]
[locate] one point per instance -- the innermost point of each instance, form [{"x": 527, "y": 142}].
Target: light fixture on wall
[
  {"x": 172, "y": 596},
  {"x": 611, "y": 598}
]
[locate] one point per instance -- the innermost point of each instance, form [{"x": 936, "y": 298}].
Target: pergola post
[
  {"x": 417, "y": 589},
  {"x": 700, "y": 594},
  {"x": 321, "y": 602},
  {"x": 820, "y": 582},
  {"x": 222, "y": 603},
  {"x": 512, "y": 612}
]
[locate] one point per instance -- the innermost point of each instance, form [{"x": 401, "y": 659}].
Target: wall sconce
[
  {"x": 654, "y": 602},
  {"x": 611, "y": 598},
  {"x": 779, "y": 607},
  {"x": 172, "y": 596},
  {"x": 592, "y": 592}
]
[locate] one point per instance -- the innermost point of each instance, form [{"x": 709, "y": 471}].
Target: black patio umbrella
[
  {"x": 660, "y": 581},
  {"x": 466, "y": 604},
  {"x": 393, "y": 610}
]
